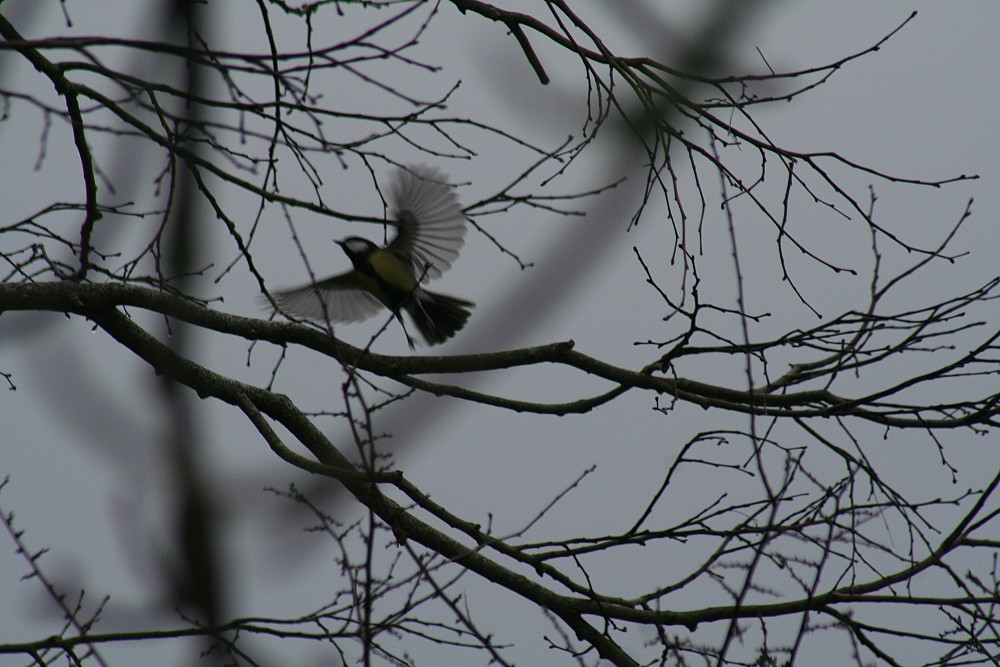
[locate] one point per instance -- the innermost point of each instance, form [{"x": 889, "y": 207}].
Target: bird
[{"x": 430, "y": 231}]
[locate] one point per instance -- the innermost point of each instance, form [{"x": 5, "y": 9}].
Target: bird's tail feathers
[{"x": 438, "y": 316}]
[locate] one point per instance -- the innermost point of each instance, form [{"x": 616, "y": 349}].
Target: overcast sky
[{"x": 79, "y": 435}]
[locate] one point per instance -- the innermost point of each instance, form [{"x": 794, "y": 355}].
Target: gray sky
[{"x": 85, "y": 480}]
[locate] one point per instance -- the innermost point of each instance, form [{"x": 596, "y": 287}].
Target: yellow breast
[{"x": 392, "y": 271}]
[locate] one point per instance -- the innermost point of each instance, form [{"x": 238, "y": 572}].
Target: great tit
[{"x": 430, "y": 228}]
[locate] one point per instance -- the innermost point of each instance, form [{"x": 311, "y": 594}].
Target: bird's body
[{"x": 431, "y": 229}]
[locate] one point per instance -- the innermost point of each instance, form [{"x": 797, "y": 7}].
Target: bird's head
[{"x": 357, "y": 247}]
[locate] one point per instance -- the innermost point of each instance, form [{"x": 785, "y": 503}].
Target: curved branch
[
  {"x": 70, "y": 92},
  {"x": 87, "y": 299}
]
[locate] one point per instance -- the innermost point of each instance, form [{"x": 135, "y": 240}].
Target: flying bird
[{"x": 430, "y": 230}]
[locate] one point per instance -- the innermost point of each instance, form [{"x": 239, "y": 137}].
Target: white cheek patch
[{"x": 357, "y": 246}]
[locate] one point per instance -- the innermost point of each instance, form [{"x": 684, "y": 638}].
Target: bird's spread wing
[
  {"x": 336, "y": 299},
  {"x": 429, "y": 219}
]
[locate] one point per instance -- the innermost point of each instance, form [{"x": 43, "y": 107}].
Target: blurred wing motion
[
  {"x": 429, "y": 220},
  {"x": 430, "y": 227},
  {"x": 336, "y": 299}
]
